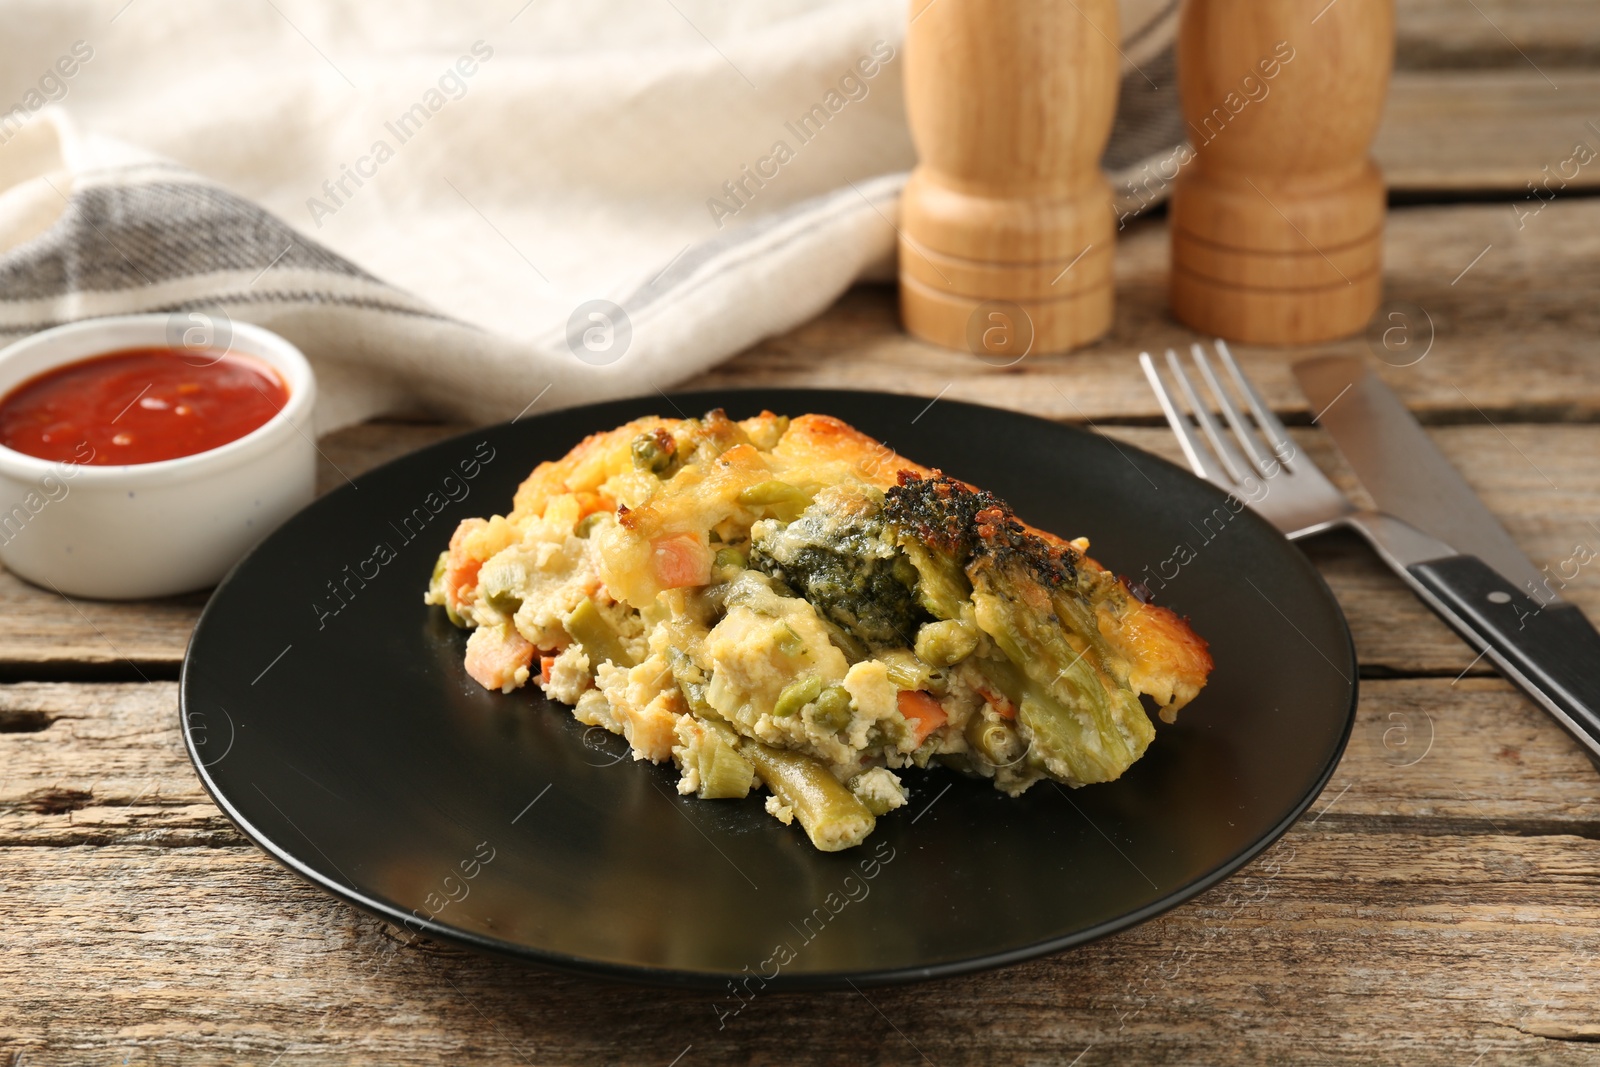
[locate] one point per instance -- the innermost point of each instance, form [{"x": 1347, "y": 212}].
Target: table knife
[{"x": 1484, "y": 586}]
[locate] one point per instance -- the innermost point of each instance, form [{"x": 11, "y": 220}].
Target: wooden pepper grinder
[
  {"x": 1010, "y": 104},
  {"x": 1277, "y": 223}
]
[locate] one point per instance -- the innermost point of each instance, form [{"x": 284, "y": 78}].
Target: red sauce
[{"x": 141, "y": 405}]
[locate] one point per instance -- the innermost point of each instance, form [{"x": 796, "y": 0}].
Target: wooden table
[{"x": 1440, "y": 903}]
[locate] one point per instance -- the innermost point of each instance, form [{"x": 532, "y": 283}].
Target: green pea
[
  {"x": 796, "y": 695},
  {"x": 833, "y": 708},
  {"x": 654, "y": 452}
]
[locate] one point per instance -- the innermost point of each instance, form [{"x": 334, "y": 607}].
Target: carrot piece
[
  {"x": 996, "y": 700},
  {"x": 589, "y": 503},
  {"x": 461, "y": 582},
  {"x": 921, "y": 711},
  {"x": 680, "y": 560},
  {"x": 461, "y": 569},
  {"x": 545, "y": 663}
]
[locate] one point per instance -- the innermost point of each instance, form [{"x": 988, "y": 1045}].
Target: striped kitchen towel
[{"x": 598, "y": 200}]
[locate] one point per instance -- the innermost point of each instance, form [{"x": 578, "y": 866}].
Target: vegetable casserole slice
[{"x": 791, "y": 605}]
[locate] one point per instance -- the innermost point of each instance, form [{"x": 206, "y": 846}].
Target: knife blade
[
  {"x": 1404, "y": 471},
  {"x": 1488, "y": 590}
]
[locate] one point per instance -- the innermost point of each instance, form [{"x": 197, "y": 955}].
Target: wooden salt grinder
[
  {"x": 1010, "y": 104},
  {"x": 1277, "y": 223}
]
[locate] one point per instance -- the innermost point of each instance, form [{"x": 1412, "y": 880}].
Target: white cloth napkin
[{"x": 429, "y": 201}]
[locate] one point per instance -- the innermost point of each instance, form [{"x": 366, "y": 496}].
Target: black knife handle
[{"x": 1550, "y": 651}]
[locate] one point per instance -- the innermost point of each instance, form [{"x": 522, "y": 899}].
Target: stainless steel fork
[
  {"x": 1261, "y": 465},
  {"x": 1259, "y": 462}
]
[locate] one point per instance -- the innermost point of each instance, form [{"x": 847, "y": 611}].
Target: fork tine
[
  {"x": 1264, "y": 464},
  {"x": 1236, "y": 465},
  {"x": 1201, "y": 459},
  {"x": 1283, "y": 445}
]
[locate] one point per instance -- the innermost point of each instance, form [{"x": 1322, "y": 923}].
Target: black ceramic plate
[{"x": 328, "y": 713}]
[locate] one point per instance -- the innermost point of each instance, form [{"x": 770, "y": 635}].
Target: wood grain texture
[
  {"x": 1493, "y": 296},
  {"x": 1482, "y": 131},
  {"x": 1512, "y": 34},
  {"x": 43, "y": 633},
  {"x": 1438, "y": 905},
  {"x": 1471, "y": 861}
]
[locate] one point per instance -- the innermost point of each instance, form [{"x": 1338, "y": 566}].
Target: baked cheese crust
[{"x": 790, "y": 604}]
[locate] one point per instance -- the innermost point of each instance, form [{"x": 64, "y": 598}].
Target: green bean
[
  {"x": 729, "y": 559},
  {"x": 833, "y": 707},
  {"x": 796, "y": 695},
  {"x": 597, "y": 635},
  {"x": 906, "y": 676},
  {"x": 993, "y": 740},
  {"x": 587, "y": 524},
  {"x": 830, "y": 814},
  {"x": 945, "y": 642},
  {"x": 770, "y": 492}
]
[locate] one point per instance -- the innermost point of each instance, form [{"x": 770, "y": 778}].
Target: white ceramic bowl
[{"x": 152, "y": 529}]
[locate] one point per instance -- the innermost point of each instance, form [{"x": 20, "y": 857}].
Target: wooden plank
[
  {"x": 1335, "y": 948},
  {"x": 1487, "y": 131},
  {"x": 45, "y": 633},
  {"x": 1492, "y": 295},
  {"x": 104, "y": 764},
  {"x": 1496, "y": 33},
  {"x": 99, "y": 764}
]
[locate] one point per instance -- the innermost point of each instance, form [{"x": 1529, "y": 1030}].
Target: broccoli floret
[
  {"x": 839, "y": 555},
  {"x": 1038, "y": 607}
]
